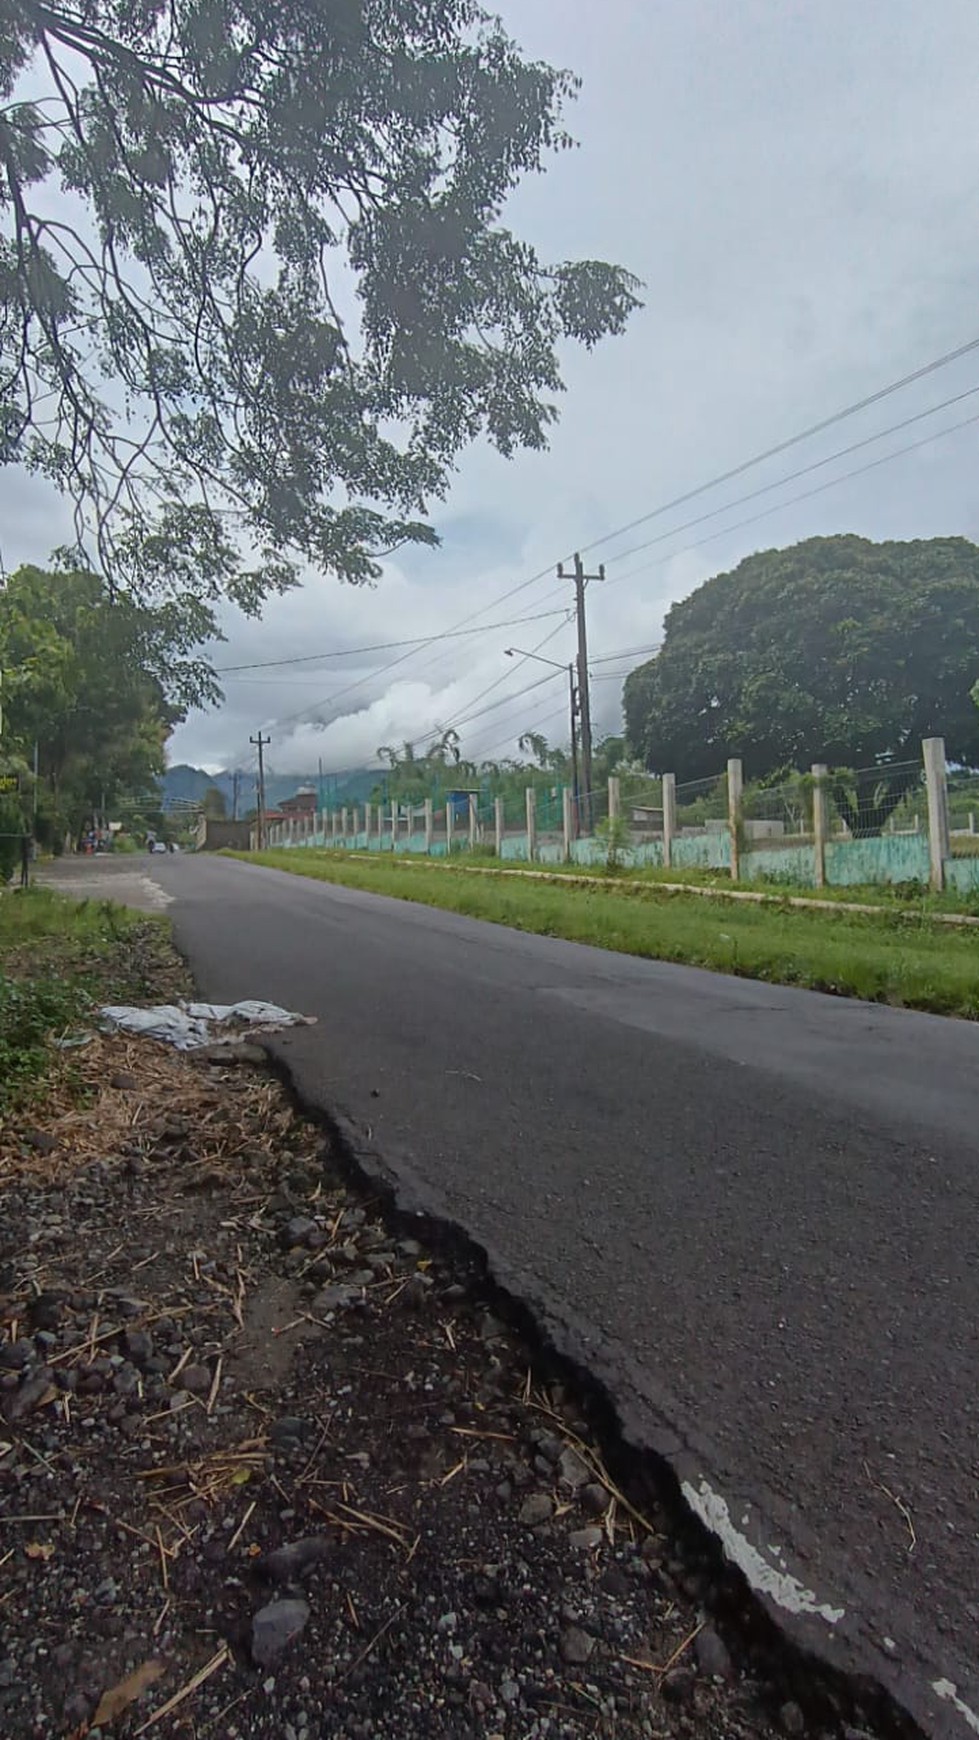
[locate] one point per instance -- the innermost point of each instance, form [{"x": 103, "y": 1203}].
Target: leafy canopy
[
  {"x": 257, "y": 293},
  {"x": 836, "y": 650},
  {"x": 96, "y": 683}
]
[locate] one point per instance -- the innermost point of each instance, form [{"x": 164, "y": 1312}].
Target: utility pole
[
  {"x": 581, "y": 580},
  {"x": 576, "y": 785},
  {"x": 261, "y": 744}
]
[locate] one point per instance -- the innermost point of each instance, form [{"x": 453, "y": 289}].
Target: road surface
[{"x": 753, "y": 1210}]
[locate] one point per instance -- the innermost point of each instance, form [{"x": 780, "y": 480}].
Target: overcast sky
[{"x": 796, "y": 184}]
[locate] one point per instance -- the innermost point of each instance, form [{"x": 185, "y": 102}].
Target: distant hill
[{"x": 182, "y": 785}]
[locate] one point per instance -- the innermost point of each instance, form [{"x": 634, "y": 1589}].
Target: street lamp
[{"x": 518, "y": 652}]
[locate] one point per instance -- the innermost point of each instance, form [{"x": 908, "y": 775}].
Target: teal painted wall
[
  {"x": 702, "y": 852},
  {"x": 962, "y": 874},
  {"x": 888, "y": 858},
  {"x": 795, "y": 864}
]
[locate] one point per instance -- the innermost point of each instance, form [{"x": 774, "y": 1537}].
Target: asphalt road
[{"x": 753, "y": 1210}]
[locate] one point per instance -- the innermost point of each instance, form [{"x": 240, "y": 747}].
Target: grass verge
[
  {"x": 912, "y": 898},
  {"x": 883, "y": 958},
  {"x": 59, "y": 959}
]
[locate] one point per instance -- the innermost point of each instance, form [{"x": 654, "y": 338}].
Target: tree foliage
[
  {"x": 412, "y": 777},
  {"x": 837, "y": 650},
  {"x": 96, "y": 683},
  {"x": 257, "y": 293}
]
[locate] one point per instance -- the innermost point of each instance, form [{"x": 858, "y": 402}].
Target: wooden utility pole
[
  {"x": 261, "y": 743},
  {"x": 581, "y": 580}
]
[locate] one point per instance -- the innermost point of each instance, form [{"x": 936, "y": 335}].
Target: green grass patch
[
  {"x": 60, "y": 958},
  {"x": 913, "y": 963},
  {"x": 912, "y": 898}
]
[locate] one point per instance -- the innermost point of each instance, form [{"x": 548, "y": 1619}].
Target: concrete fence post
[
  {"x": 473, "y": 821},
  {"x": 449, "y": 826},
  {"x": 936, "y": 786},
  {"x": 820, "y": 775},
  {"x": 567, "y": 816},
  {"x": 735, "y": 789},
  {"x": 614, "y": 797},
  {"x": 498, "y": 825},
  {"x": 394, "y": 827},
  {"x": 368, "y": 823},
  {"x": 669, "y": 818},
  {"x": 345, "y": 825},
  {"x": 334, "y": 826},
  {"x": 429, "y": 825},
  {"x": 531, "y": 823}
]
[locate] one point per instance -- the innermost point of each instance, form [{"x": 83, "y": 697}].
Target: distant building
[{"x": 302, "y": 803}]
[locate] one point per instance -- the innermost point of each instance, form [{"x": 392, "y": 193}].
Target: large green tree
[
  {"x": 257, "y": 291},
  {"x": 96, "y": 683},
  {"x": 836, "y": 650}
]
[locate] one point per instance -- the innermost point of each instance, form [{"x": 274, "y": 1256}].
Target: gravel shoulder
[{"x": 269, "y": 1469}]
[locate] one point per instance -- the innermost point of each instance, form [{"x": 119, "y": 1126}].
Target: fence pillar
[
  {"x": 473, "y": 821},
  {"x": 933, "y": 750},
  {"x": 344, "y": 825},
  {"x": 394, "y": 827},
  {"x": 531, "y": 823},
  {"x": 450, "y": 817},
  {"x": 820, "y": 774},
  {"x": 334, "y": 825},
  {"x": 429, "y": 825},
  {"x": 614, "y": 797},
  {"x": 567, "y": 816},
  {"x": 735, "y": 787},
  {"x": 498, "y": 825},
  {"x": 669, "y": 817}
]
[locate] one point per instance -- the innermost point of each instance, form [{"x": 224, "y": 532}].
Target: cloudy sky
[{"x": 796, "y": 184}]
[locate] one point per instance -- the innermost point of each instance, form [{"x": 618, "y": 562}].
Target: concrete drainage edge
[{"x": 781, "y": 1650}]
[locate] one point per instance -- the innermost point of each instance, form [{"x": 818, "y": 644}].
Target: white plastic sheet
[{"x": 187, "y": 1026}]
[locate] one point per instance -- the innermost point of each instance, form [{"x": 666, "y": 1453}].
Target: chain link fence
[
  {"x": 866, "y": 802},
  {"x": 777, "y": 815},
  {"x": 701, "y": 805}
]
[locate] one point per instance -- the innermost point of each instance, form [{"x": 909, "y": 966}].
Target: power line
[
  {"x": 511, "y": 670},
  {"x": 804, "y": 495},
  {"x": 627, "y": 652},
  {"x": 803, "y": 471},
  {"x": 516, "y": 695},
  {"x": 792, "y": 441},
  {"x": 386, "y": 645}
]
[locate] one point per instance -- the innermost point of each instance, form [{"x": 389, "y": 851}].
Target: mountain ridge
[{"x": 184, "y": 784}]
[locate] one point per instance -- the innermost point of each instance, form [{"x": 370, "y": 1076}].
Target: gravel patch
[{"x": 270, "y": 1471}]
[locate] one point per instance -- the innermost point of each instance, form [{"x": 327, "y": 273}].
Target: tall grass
[{"x": 55, "y": 957}]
